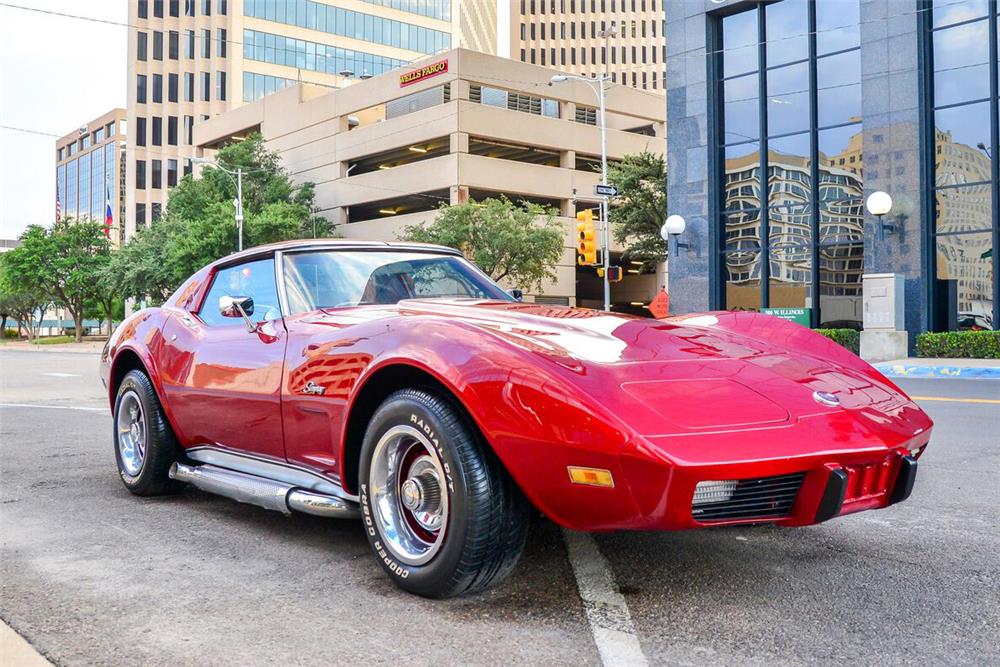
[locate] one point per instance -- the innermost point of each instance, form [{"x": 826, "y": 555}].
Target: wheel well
[
  {"x": 126, "y": 361},
  {"x": 376, "y": 389}
]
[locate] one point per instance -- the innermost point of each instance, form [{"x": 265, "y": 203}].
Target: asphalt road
[{"x": 91, "y": 575}]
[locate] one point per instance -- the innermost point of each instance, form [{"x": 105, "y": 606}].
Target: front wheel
[
  {"x": 145, "y": 445},
  {"x": 441, "y": 514}
]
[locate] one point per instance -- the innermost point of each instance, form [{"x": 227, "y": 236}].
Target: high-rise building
[
  {"x": 90, "y": 172},
  {"x": 191, "y": 59},
  {"x": 623, "y": 38}
]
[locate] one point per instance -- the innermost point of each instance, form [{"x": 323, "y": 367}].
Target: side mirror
[
  {"x": 238, "y": 306},
  {"x": 517, "y": 294}
]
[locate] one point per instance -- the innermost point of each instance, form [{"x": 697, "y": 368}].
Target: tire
[
  {"x": 145, "y": 446},
  {"x": 483, "y": 516}
]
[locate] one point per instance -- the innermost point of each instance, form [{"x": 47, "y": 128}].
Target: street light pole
[
  {"x": 606, "y": 230},
  {"x": 238, "y": 202}
]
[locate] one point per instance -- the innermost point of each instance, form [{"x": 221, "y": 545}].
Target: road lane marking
[
  {"x": 607, "y": 612},
  {"x": 63, "y": 375},
  {"x": 51, "y": 407},
  {"x": 948, "y": 399}
]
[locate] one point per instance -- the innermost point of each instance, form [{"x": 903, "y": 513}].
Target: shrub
[
  {"x": 849, "y": 338},
  {"x": 960, "y": 344},
  {"x": 10, "y": 334}
]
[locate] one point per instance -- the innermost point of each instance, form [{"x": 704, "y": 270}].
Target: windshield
[{"x": 338, "y": 278}]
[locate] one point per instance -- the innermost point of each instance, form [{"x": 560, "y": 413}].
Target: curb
[{"x": 913, "y": 371}]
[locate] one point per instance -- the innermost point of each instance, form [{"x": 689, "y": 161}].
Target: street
[{"x": 92, "y": 575}]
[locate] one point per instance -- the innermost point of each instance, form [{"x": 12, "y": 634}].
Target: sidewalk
[
  {"x": 16, "y": 652},
  {"x": 914, "y": 367},
  {"x": 86, "y": 347}
]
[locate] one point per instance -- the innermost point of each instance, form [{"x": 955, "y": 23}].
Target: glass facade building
[
  {"x": 784, "y": 116},
  {"x": 88, "y": 171}
]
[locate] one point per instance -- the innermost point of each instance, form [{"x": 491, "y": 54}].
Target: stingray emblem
[
  {"x": 313, "y": 388},
  {"x": 826, "y": 398}
]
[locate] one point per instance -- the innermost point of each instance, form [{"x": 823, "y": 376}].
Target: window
[
  {"x": 188, "y": 166},
  {"x": 140, "y": 131},
  {"x": 142, "y": 7},
  {"x": 221, "y": 43},
  {"x": 156, "y": 173},
  {"x": 189, "y": 86},
  {"x": 206, "y": 43},
  {"x": 140, "y": 88},
  {"x": 175, "y": 8},
  {"x": 157, "y": 88},
  {"x": 158, "y": 9},
  {"x": 155, "y": 212},
  {"x": 189, "y": 7},
  {"x": 966, "y": 230},
  {"x": 277, "y": 49},
  {"x": 188, "y": 130},
  {"x": 171, "y": 173},
  {"x": 223, "y": 7},
  {"x": 172, "y": 87},
  {"x": 157, "y": 131},
  {"x": 189, "y": 44},
  {"x": 330, "y": 279},
  {"x": 220, "y": 85},
  {"x": 206, "y": 87},
  {"x": 250, "y": 279},
  {"x": 172, "y": 130},
  {"x": 206, "y": 7},
  {"x": 140, "y": 215},
  {"x": 173, "y": 45},
  {"x": 791, "y": 221},
  {"x": 110, "y": 128},
  {"x": 141, "y": 45},
  {"x": 157, "y": 45},
  {"x": 140, "y": 174}
]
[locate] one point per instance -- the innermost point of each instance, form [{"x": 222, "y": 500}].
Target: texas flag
[{"x": 108, "y": 220}]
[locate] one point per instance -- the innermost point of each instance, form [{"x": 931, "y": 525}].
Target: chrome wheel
[
  {"x": 409, "y": 495},
  {"x": 131, "y": 433}
]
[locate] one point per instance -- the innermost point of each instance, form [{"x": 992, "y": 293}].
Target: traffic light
[
  {"x": 614, "y": 274},
  {"x": 586, "y": 250}
]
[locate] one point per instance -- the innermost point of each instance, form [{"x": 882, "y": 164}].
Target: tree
[
  {"x": 518, "y": 242},
  {"x": 62, "y": 263},
  {"x": 199, "y": 226},
  {"x": 20, "y": 302},
  {"x": 641, "y": 206}
]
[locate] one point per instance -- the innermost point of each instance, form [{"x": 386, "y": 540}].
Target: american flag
[{"x": 58, "y": 209}]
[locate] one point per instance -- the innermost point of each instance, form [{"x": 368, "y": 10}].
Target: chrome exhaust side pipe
[
  {"x": 322, "y": 505},
  {"x": 239, "y": 486},
  {"x": 263, "y": 492}
]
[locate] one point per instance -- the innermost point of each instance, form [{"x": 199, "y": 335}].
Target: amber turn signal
[{"x": 591, "y": 476}]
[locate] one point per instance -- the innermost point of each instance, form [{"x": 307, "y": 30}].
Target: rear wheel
[
  {"x": 442, "y": 515},
  {"x": 145, "y": 446}
]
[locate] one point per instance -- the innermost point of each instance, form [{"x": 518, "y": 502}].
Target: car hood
[{"x": 679, "y": 375}]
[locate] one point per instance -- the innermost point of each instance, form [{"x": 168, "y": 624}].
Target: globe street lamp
[
  {"x": 671, "y": 230},
  {"x": 878, "y": 204}
]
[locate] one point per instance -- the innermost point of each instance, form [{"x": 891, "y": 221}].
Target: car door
[{"x": 223, "y": 382}]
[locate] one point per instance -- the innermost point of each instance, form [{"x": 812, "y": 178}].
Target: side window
[{"x": 252, "y": 279}]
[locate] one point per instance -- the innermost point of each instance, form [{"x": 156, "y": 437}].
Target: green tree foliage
[
  {"x": 641, "y": 207},
  {"x": 61, "y": 264},
  {"x": 19, "y": 302},
  {"x": 520, "y": 243},
  {"x": 199, "y": 226}
]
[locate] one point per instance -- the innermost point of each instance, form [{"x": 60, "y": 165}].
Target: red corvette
[{"x": 399, "y": 384}]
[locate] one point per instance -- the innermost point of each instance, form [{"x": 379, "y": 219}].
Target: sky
[{"x": 56, "y": 73}]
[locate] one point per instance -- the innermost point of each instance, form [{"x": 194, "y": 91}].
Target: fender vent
[{"x": 758, "y": 498}]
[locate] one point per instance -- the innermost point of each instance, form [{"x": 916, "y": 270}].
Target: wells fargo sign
[{"x": 425, "y": 72}]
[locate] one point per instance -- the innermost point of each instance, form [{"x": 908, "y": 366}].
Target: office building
[
  {"x": 90, "y": 172},
  {"x": 785, "y": 116},
  {"x": 623, "y": 38},
  {"x": 189, "y": 60},
  {"x": 388, "y": 152}
]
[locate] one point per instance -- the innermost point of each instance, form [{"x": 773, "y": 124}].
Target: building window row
[
  {"x": 514, "y": 101},
  {"x": 594, "y": 6},
  {"x": 174, "y": 8},
  {"x": 435, "y": 9},
  {"x": 568, "y": 29},
  {"x": 256, "y": 86},
  {"x": 85, "y": 141},
  {"x": 348, "y": 23},
  {"x": 174, "y": 44},
  {"x": 280, "y": 50},
  {"x": 155, "y": 135}
]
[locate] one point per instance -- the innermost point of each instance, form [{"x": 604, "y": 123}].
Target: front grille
[{"x": 758, "y": 498}]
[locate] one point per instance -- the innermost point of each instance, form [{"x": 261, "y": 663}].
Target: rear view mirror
[
  {"x": 237, "y": 306},
  {"x": 517, "y": 294}
]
